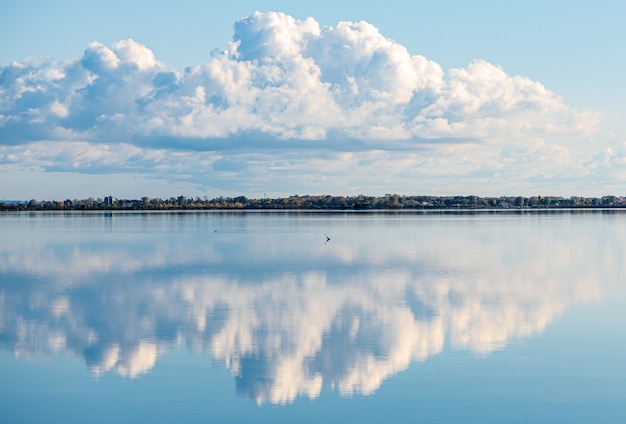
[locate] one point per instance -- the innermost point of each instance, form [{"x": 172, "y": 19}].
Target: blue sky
[{"x": 166, "y": 98}]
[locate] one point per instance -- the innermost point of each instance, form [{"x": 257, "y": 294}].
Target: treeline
[{"x": 389, "y": 201}]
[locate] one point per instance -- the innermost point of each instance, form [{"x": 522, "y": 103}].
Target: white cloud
[
  {"x": 287, "y": 78},
  {"x": 289, "y": 87}
]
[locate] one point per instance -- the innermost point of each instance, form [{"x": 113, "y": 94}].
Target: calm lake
[{"x": 198, "y": 317}]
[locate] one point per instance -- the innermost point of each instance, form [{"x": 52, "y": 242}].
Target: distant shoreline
[{"x": 321, "y": 203}]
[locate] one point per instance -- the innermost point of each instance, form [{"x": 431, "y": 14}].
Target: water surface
[{"x": 255, "y": 316}]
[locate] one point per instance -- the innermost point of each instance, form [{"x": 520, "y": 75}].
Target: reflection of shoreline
[{"x": 288, "y": 333}]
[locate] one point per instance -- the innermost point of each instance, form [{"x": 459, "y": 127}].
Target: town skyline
[{"x": 318, "y": 202}]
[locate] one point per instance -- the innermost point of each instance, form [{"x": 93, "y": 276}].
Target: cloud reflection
[{"x": 288, "y": 323}]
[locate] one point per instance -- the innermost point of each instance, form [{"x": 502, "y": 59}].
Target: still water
[{"x": 490, "y": 317}]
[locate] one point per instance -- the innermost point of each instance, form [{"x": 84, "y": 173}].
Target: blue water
[{"x": 255, "y": 317}]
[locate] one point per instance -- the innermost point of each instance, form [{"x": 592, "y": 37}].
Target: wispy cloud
[{"x": 288, "y": 91}]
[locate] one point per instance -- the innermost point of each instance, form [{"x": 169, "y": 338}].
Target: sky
[{"x": 275, "y": 98}]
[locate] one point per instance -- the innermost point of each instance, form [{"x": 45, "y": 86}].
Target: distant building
[{"x": 110, "y": 200}]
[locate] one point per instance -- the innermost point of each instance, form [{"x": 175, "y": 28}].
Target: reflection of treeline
[{"x": 389, "y": 201}]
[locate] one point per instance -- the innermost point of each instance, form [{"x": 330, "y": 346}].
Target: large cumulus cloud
[
  {"x": 284, "y": 84},
  {"x": 282, "y": 77}
]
